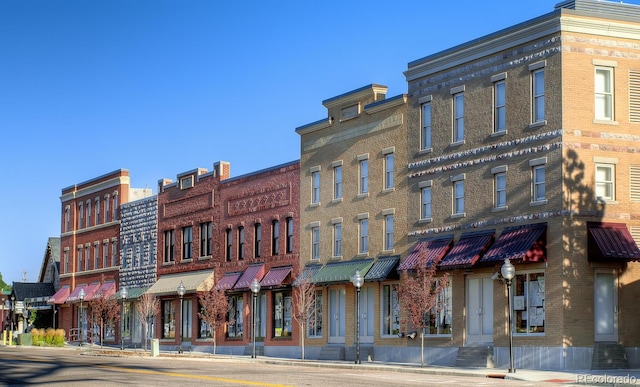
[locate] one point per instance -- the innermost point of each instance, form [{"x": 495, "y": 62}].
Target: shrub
[{"x": 48, "y": 337}]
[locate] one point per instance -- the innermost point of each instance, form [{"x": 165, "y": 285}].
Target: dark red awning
[
  {"x": 275, "y": 276},
  {"x": 105, "y": 290},
  {"x": 519, "y": 244},
  {"x": 228, "y": 280},
  {"x": 60, "y": 297},
  {"x": 253, "y": 271},
  {"x": 611, "y": 242},
  {"x": 466, "y": 252},
  {"x": 435, "y": 248}
]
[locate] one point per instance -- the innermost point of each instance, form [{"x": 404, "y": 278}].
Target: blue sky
[{"x": 161, "y": 87}]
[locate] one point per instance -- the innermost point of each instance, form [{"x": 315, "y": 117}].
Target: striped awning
[
  {"x": 253, "y": 271},
  {"x": 519, "y": 244},
  {"x": 60, "y": 297},
  {"x": 434, "y": 248},
  {"x": 276, "y": 276},
  {"x": 341, "y": 272},
  {"x": 611, "y": 242}
]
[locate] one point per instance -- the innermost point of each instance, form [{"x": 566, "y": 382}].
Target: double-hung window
[
  {"x": 315, "y": 241},
  {"x": 537, "y": 92},
  {"x": 604, "y": 93},
  {"x": 388, "y": 229},
  {"x": 229, "y": 244},
  {"x": 364, "y": 174},
  {"x": 337, "y": 182},
  {"x": 206, "y": 239},
  {"x": 240, "y": 242},
  {"x": 187, "y": 242},
  {"x": 538, "y": 187},
  {"x": 499, "y": 187},
  {"x": 388, "y": 168},
  {"x": 499, "y": 103},
  {"x": 425, "y": 132},
  {"x": 315, "y": 187},
  {"x": 458, "y": 114},
  {"x": 363, "y": 244},
  {"x": 275, "y": 237},
  {"x": 257, "y": 240},
  {"x": 168, "y": 246},
  {"x": 425, "y": 200},
  {"x": 289, "y": 247},
  {"x": 337, "y": 238},
  {"x": 458, "y": 194},
  {"x": 605, "y": 181}
]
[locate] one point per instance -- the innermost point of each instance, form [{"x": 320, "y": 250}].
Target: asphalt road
[{"x": 74, "y": 367}]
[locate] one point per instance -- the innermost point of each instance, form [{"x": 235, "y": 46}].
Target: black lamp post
[
  {"x": 508, "y": 271},
  {"x": 255, "y": 289},
  {"x": 13, "y": 309},
  {"x": 357, "y": 281},
  {"x": 123, "y": 297},
  {"x": 81, "y": 315},
  {"x": 181, "y": 291}
]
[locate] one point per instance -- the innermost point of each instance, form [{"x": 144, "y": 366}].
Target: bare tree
[
  {"x": 215, "y": 306},
  {"x": 148, "y": 307},
  {"x": 304, "y": 306},
  {"x": 419, "y": 294},
  {"x": 104, "y": 310}
]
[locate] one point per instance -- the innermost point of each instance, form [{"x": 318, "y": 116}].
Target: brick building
[
  {"x": 214, "y": 228},
  {"x": 89, "y": 247},
  {"x": 353, "y": 217},
  {"x": 523, "y": 145}
]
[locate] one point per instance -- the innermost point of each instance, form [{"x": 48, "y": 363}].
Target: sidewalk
[{"x": 619, "y": 377}]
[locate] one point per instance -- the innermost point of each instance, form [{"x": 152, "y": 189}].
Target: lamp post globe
[
  {"x": 508, "y": 271},
  {"x": 123, "y": 297},
  {"x": 358, "y": 281},
  {"x": 81, "y": 295},
  {"x": 181, "y": 290},
  {"x": 255, "y": 289}
]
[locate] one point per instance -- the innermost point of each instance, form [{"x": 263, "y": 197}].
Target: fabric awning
[
  {"x": 132, "y": 294},
  {"x": 466, "y": 252},
  {"x": 435, "y": 248},
  {"x": 89, "y": 290},
  {"x": 198, "y": 281},
  {"x": 381, "y": 268},
  {"x": 341, "y": 272},
  {"x": 60, "y": 297},
  {"x": 251, "y": 272},
  {"x": 228, "y": 280},
  {"x": 105, "y": 290},
  {"x": 519, "y": 244},
  {"x": 276, "y": 276},
  {"x": 611, "y": 242},
  {"x": 307, "y": 274}
]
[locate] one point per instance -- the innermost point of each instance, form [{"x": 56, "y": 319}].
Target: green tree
[{"x": 3, "y": 285}]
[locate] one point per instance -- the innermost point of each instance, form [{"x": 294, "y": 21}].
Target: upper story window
[
  {"x": 289, "y": 247},
  {"x": 89, "y": 224},
  {"x": 337, "y": 238},
  {"x": 425, "y": 127},
  {"x": 499, "y": 103},
  {"x": 81, "y": 215},
  {"x": 114, "y": 252},
  {"x": 257, "y": 240},
  {"x": 388, "y": 231},
  {"x": 240, "y": 242},
  {"x": 363, "y": 243},
  {"x": 315, "y": 242},
  {"x": 168, "y": 246},
  {"x": 97, "y": 211},
  {"x": 458, "y": 194},
  {"x": 229, "y": 244},
  {"x": 186, "y": 182},
  {"x": 605, "y": 181},
  {"x": 275, "y": 234},
  {"x": 66, "y": 260},
  {"x": 315, "y": 186},
  {"x": 115, "y": 206},
  {"x": 425, "y": 200},
  {"x": 388, "y": 168},
  {"x": 604, "y": 90},
  {"x": 349, "y": 112},
  {"x": 458, "y": 114},
  {"x": 105, "y": 254},
  {"x": 106, "y": 208},
  {"x": 538, "y": 186},
  {"x": 80, "y": 261},
  {"x": 337, "y": 182},
  {"x": 96, "y": 255},
  {"x": 187, "y": 242},
  {"x": 206, "y": 236},
  {"x": 537, "y": 92},
  {"x": 499, "y": 187},
  {"x": 67, "y": 219},
  {"x": 363, "y": 170}
]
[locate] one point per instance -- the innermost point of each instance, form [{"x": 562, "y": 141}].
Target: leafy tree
[
  {"x": 104, "y": 310},
  {"x": 418, "y": 292},
  {"x": 4, "y": 285},
  {"x": 215, "y": 306},
  {"x": 304, "y": 305},
  {"x": 148, "y": 307}
]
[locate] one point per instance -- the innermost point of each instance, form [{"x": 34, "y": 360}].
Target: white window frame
[
  {"x": 604, "y": 93},
  {"x": 608, "y": 183},
  {"x": 500, "y": 189},
  {"x": 337, "y": 182},
  {"x": 425, "y": 132},
  {"x": 337, "y": 239},
  {"x": 426, "y": 203},
  {"x": 499, "y": 106},
  {"x": 388, "y": 171},
  {"x": 364, "y": 176},
  {"x": 363, "y": 236},
  {"x": 315, "y": 187},
  {"x": 538, "y": 183},
  {"x": 388, "y": 231},
  {"x": 537, "y": 93},
  {"x": 315, "y": 243},
  {"x": 458, "y": 118},
  {"x": 457, "y": 195}
]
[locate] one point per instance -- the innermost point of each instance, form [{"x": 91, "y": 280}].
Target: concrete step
[{"x": 609, "y": 356}]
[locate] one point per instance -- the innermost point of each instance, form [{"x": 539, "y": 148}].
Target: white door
[
  {"x": 336, "y": 315},
  {"x": 479, "y": 310},
  {"x": 606, "y": 307},
  {"x": 366, "y": 314}
]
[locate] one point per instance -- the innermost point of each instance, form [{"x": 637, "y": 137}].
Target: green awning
[
  {"x": 308, "y": 273},
  {"x": 382, "y": 268},
  {"x": 341, "y": 272},
  {"x": 133, "y": 293}
]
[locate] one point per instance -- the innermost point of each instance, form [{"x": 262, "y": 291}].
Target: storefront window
[
  {"x": 204, "y": 332},
  {"x": 282, "y": 314},
  {"x": 390, "y": 311},
  {"x": 440, "y": 316},
  {"x": 235, "y": 317},
  {"x": 528, "y": 303},
  {"x": 314, "y": 322},
  {"x": 168, "y": 320}
]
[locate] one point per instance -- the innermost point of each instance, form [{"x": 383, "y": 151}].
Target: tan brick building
[
  {"x": 523, "y": 145},
  {"x": 353, "y": 217}
]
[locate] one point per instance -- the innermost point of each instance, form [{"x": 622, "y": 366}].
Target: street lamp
[
  {"x": 81, "y": 317},
  {"x": 13, "y": 309},
  {"x": 357, "y": 281},
  {"x": 181, "y": 291},
  {"x": 255, "y": 288},
  {"x": 508, "y": 271},
  {"x": 123, "y": 297}
]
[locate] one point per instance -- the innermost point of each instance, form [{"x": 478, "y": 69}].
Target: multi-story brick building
[
  {"x": 89, "y": 247},
  {"x": 523, "y": 145},
  {"x": 234, "y": 230},
  {"x": 353, "y": 217}
]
